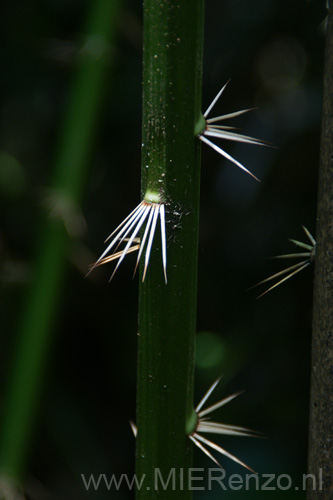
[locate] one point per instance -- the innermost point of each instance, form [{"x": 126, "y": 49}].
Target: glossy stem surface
[{"x": 173, "y": 39}]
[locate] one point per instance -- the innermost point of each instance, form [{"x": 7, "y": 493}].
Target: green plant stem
[
  {"x": 321, "y": 397},
  {"x": 34, "y": 336},
  {"x": 173, "y": 39}
]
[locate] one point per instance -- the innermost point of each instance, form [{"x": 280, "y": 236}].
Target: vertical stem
[
  {"x": 173, "y": 39},
  {"x": 321, "y": 398},
  {"x": 33, "y": 344}
]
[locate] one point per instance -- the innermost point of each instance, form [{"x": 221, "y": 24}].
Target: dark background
[{"x": 273, "y": 51}]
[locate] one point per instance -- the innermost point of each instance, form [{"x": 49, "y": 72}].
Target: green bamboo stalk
[
  {"x": 173, "y": 41},
  {"x": 71, "y": 166}
]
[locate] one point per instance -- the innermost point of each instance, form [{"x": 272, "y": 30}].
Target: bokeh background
[{"x": 273, "y": 52}]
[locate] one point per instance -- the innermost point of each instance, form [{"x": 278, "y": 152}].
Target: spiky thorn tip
[
  {"x": 214, "y": 128},
  {"x": 203, "y": 424},
  {"x": 296, "y": 268},
  {"x": 147, "y": 212},
  {"x": 207, "y": 426}
]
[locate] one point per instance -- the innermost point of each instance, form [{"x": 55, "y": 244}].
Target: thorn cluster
[
  {"x": 207, "y": 426},
  {"x": 296, "y": 268},
  {"x": 145, "y": 213},
  {"x": 215, "y": 129}
]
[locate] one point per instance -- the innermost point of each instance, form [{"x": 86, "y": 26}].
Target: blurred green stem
[
  {"x": 33, "y": 343},
  {"x": 173, "y": 39}
]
